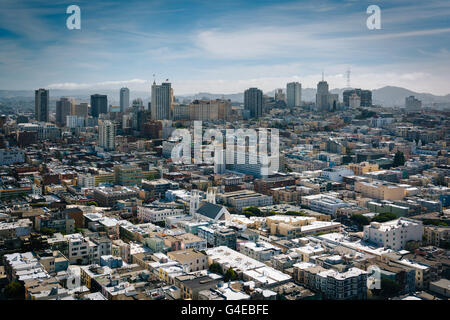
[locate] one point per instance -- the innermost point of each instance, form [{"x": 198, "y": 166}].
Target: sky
[{"x": 224, "y": 46}]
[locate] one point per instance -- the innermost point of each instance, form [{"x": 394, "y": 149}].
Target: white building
[
  {"x": 336, "y": 174},
  {"x": 260, "y": 250},
  {"x": 107, "y": 135},
  {"x": 75, "y": 122},
  {"x": 155, "y": 214},
  {"x": 394, "y": 234}
]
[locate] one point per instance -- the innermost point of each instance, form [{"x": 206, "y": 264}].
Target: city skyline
[{"x": 233, "y": 49}]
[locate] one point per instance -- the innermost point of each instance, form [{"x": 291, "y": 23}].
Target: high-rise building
[
  {"x": 162, "y": 99},
  {"x": 107, "y": 135},
  {"x": 364, "y": 95},
  {"x": 80, "y": 110},
  {"x": 253, "y": 101},
  {"x": 124, "y": 99},
  {"x": 99, "y": 105},
  {"x": 412, "y": 103},
  {"x": 354, "y": 101},
  {"x": 63, "y": 109},
  {"x": 41, "y": 104},
  {"x": 293, "y": 94},
  {"x": 325, "y": 101}
]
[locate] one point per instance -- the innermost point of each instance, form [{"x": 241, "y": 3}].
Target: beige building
[
  {"x": 436, "y": 235},
  {"x": 191, "y": 260},
  {"x": 380, "y": 190},
  {"x": 210, "y": 110},
  {"x": 361, "y": 168}
]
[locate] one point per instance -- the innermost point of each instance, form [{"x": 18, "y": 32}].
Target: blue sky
[{"x": 224, "y": 46}]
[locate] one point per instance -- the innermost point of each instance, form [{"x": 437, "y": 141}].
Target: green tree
[
  {"x": 215, "y": 268},
  {"x": 15, "y": 290},
  {"x": 230, "y": 275},
  {"x": 92, "y": 203},
  {"x": 252, "y": 211},
  {"x": 360, "y": 220},
  {"x": 399, "y": 159},
  {"x": 384, "y": 217}
]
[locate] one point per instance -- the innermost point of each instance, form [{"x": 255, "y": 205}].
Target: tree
[
  {"x": 384, "y": 217},
  {"x": 252, "y": 211},
  {"x": 15, "y": 290},
  {"x": 399, "y": 159},
  {"x": 48, "y": 231},
  {"x": 360, "y": 220},
  {"x": 215, "y": 268},
  {"x": 92, "y": 203},
  {"x": 230, "y": 275}
]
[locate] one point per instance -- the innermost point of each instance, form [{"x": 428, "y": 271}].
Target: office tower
[
  {"x": 293, "y": 94},
  {"x": 253, "y": 101},
  {"x": 325, "y": 101},
  {"x": 63, "y": 109},
  {"x": 322, "y": 96},
  {"x": 80, "y": 110},
  {"x": 364, "y": 95},
  {"x": 41, "y": 104},
  {"x": 162, "y": 98},
  {"x": 106, "y": 135},
  {"x": 412, "y": 103},
  {"x": 99, "y": 105},
  {"x": 124, "y": 99}
]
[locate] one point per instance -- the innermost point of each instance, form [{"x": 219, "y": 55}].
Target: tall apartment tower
[
  {"x": 63, "y": 109},
  {"x": 107, "y": 135},
  {"x": 99, "y": 105},
  {"x": 41, "y": 104},
  {"x": 325, "y": 101},
  {"x": 162, "y": 98},
  {"x": 253, "y": 101},
  {"x": 124, "y": 99},
  {"x": 293, "y": 94}
]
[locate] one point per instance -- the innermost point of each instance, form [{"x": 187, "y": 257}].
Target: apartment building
[
  {"x": 156, "y": 214},
  {"x": 260, "y": 250},
  {"x": 244, "y": 199},
  {"x": 380, "y": 190},
  {"x": 191, "y": 260},
  {"x": 394, "y": 234}
]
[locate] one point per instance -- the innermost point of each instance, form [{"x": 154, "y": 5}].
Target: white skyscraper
[
  {"x": 162, "y": 98},
  {"x": 106, "y": 135},
  {"x": 124, "y": 99},
  {"x": 293, "y": 94}
]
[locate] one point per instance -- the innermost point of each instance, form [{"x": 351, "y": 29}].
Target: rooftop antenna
[
  {"x": 154, "y": 78},
  {"x": 322, "y": 75},
  {"x": 348, "y": 78}
]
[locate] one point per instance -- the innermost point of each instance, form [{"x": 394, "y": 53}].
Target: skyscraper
[
  {"x": 63, "y": 109},
  {"x": 293, "y": 94},
  {"x": 41, "y": 104},
  {"x": 162, "y": 98},
  {"x": 253, "y": 101},
  {"x": 99, "y": 105},
  {"x": 106, "y": 135},
  {"x": 325, "y": 101},
  {"x": 124, "y": 99}
]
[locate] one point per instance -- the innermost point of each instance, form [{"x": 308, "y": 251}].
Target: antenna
[{"x": 322, "y": 75}]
